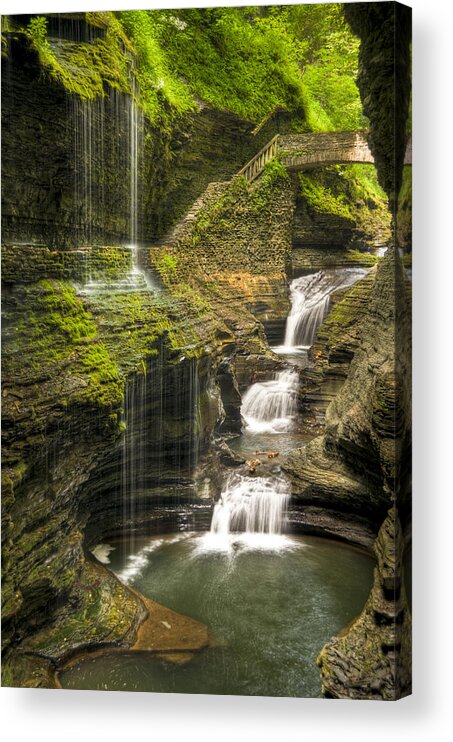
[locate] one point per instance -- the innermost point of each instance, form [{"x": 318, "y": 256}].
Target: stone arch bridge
[
  {"x": 311, "y": 150},
  {"x": 296, "y": 152}
]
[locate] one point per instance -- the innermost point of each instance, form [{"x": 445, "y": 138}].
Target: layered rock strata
[
  {"x": 108, "y": 393},
  {"x": 356, "y": 464},
  {"x": 384, "y": 81},
  {"x": 371, "y": 659},
  {"x": 74, "y": 186}
]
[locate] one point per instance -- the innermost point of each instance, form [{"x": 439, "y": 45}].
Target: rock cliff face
[
  {"x": 61, "y": 401},
  {"x": 353, "y": 467},
  {"x": 384, "y": 82},
  {"x": 235, "y": 245},
  {"x": 112, "y": 390},
  {"x": 118, "y": 390},
  {"x": 372, "y": 658},
  {"x": 77, "y": 370},
  {"x": 368, "y": 424},
  {"x": 73, "y": 187},
  {"x": 334, "y": 212}
]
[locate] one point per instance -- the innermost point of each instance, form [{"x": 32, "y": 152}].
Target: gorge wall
[
  {"x": 372, "y": 657},
  {"x": 72, "y": 173},
  {"x": 120, "y": 390}
]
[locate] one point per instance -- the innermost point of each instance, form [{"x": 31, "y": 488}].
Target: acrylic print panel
[{"x": 206, "y": 236}]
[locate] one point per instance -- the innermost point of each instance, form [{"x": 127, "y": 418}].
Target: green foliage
[
  {"x": 233, "y": 58},
  {"x": 323, "y": 199},
  {"x": 37, "y": 31},
  {"x": 348, "y": 191},
  {"x": 84, "y": 67},
  {"x": 166, "y": 264},
  {"x": 158, "y": 84},
  {"x": 247, "y": 60},
  {"x": 329, "y": 60}
]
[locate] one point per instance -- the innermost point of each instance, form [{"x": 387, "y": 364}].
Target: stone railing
[
  {"x": 256, "y": 165},
  {"x": 309, "y": 150}
]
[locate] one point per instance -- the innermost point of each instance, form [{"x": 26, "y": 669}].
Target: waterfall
[
  {"x": 134, "y": 447},
  {"x": 310, "y": 302},
  {"x": 86, "y": 147},
  {"x": 108, "y": 137},
  {"x": 271, "y": 406},
  {"x": 95, "y": 155},
  {"x": 135, "y": 137},
  {"x": 251, "y": 505},
  {"x": 309, "y": 307},
  {"x": 134, "y": 280}
]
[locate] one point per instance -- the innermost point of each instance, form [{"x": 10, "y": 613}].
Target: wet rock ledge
[{"x": 372, "y": 659}]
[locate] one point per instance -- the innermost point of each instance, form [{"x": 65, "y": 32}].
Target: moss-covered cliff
[
  {"x": 131, "y": 128},
  {"x": 372, "y": 657},
  {"x": 115, "y": 383},
  {"x": 384, "y": 82}
]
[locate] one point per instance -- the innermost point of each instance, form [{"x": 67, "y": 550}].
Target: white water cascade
[
  {"x": 134, "y": 280},
  {"x": 271, "y": 406},
  {"x": 309, "y": 307},
  {"x": 310, "y": 301},
  {"x": 127, "y": 119},
  {"x": 251, "y": 506}
]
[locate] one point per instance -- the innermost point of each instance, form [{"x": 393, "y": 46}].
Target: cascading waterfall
[
  {"x": 309, "y": 307},
  {"x": 85, "y": 148},
  {"x": 251, "y": 505},
  {"x": 310, "y": 302},
  {"x": 136, "y": 129},
  {"x": 271, "y": 406}
]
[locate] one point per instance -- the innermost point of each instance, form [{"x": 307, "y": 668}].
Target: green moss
[
  {"x": 56, "y": 337},
  {"x": 323, "y": 199},
  {"x": 83, "y": 68},
  {"x": 199, "y": 303},
  {"x": 404, "y": 214},
  {"x": 166, "y": 264},
  {"x": 7, "y": 676},
  {"x": 350, "y": 192},
  {"x": 344, "y": 313},
  {"x": 103, "y": 610},
  {"x": 260, "y": 193},
  {"x": 362, "y": 258}
]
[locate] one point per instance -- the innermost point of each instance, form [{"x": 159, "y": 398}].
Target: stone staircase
[
  {"x": 298, "y": 152},
  {"x": 183, "y": 228}
]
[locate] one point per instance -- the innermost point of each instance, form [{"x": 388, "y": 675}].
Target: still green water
[{"x": 273, "y": 601}]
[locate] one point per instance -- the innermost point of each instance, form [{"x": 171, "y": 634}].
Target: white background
[{"x": 74, "y": 715}]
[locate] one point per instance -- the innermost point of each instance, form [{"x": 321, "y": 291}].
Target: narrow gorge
[{"x": 206, "y": 352}]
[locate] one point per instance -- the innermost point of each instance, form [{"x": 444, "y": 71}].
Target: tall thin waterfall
[
  {"x": 108, "y": 137},
  {"x": 310, "y": 301},
  {"x": 271, "y": 406},
  {"x": 96, "y": 153},
  {"x": 251, "y": 505},
  {"x": 86, "y": 146},
  {"x": 135, "y": 150},
  {"x": 134, "y": 447}
]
